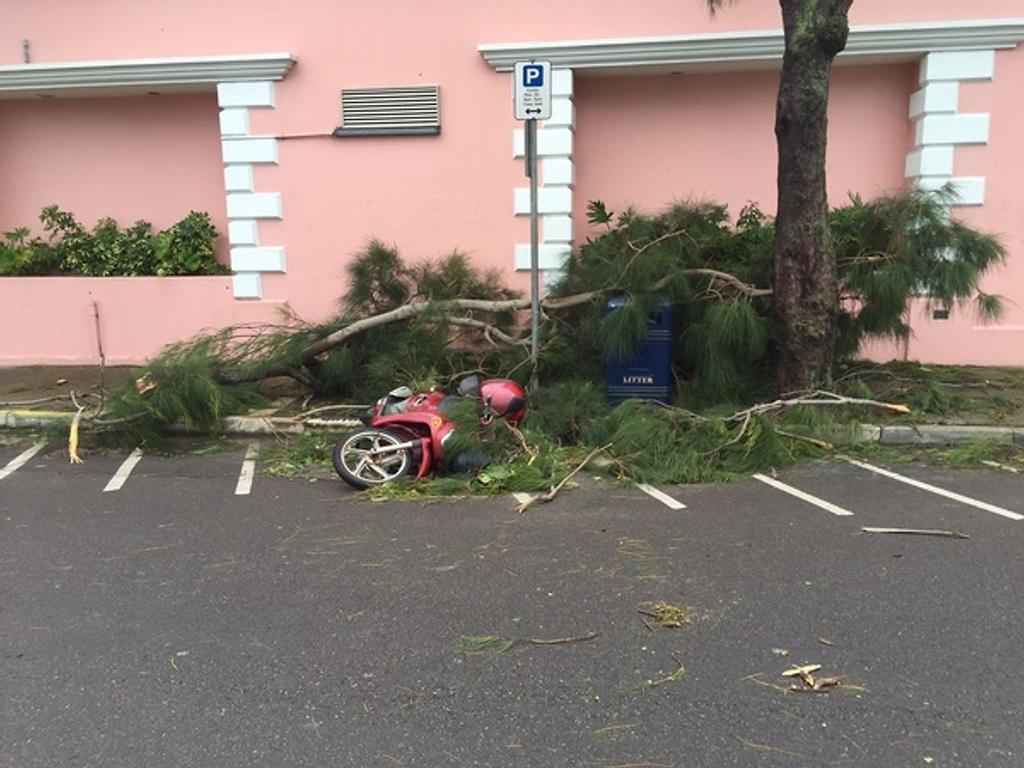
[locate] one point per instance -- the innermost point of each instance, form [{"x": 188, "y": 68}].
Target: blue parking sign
[{"x": 533, "y": 76}]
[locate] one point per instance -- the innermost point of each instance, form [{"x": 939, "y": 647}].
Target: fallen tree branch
[
  {"x": 812, "y": 440},
  {"x": 418, "y": 307},
  {"x": 554, "y": 491},
  {"x": 489, "y": 331},
  {"x": 818, "y": 397},
  {"x": 746, "y": 289},
  {"x": 530, "y": 450},
  {"x": 448, "y": 307}
]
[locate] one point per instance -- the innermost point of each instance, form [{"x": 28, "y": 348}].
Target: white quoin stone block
[
  {"x": 930, "y": 161},
  {"x": 970, "y": 190},
  {"x": 249, "y": 150},
  {"x": 234, "y": 122},
  {"x": 266, "y": 259},
  {"x": 238, "y": 178},
  {"x": 243, "y": 232},
  {"x": 561, "y": 82},
  {"x": 958, "y": 65},
  {"x": 549, "y": 256},
  {"x": 557, "y": 229},
  {"x": 953, "y": 129},
  {"x": 558, "y": 171},
  {"x": 254, "y": 205},
  {"x": 937, "y": 97},
  {"x": 563, "y": 113},
  {"x": 247, "y": 285},
  {"x": 259, "y": 94},
  {"x": 549, "y": 200},
  {"x": 551, "y": 142}
]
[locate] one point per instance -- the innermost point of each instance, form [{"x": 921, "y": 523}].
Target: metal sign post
[
  {"x": 531, "y": 173},
  {"x": 533, "y": 103}
]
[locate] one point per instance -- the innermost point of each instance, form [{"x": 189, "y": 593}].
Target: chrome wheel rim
[{"x": 364, "y": 457}]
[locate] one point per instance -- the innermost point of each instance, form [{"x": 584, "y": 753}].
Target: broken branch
[
  {"x": 563, "y": 640},
  {"x": 818, "y": 397},
  {"x": 554, "y": 491},
  {"x": 952, "y": 534},
  {"x": 489, "y": 331},
  {"x": 445, "y": 308}
]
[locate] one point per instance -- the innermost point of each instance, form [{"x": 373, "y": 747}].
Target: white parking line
[
  {"x": 123, "y": 471},
  {"x": 244, "y": 486},
  {"x": 802, "y": 495},
  {"x": 936, "y": 490},
  {"x": 664, "y": 498},
  {"x": 21, "y": 459}
]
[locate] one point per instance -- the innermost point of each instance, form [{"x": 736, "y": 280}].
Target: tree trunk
[{"x": 806, "y": 285}]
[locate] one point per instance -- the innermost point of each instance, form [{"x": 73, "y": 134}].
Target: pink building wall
[
  {"x": 703, "y": 135},
  {"x": 151, "y": 158},
  {"x": 648, "y": 141}
]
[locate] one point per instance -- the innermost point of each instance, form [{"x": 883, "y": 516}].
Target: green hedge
[{"x": 185, "y": 248}]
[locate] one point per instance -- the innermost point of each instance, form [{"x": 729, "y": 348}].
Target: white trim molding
[
  {"x": 126, "y": 76},
  {"x": 246, "y": 207},
  {"x": 555, "y": 139},
  {"x": 879, "y": 41},
  {"x": 939, "y": 127}
]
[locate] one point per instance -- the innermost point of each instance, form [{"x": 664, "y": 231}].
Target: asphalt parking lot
[{"x": 192, "y": 611}]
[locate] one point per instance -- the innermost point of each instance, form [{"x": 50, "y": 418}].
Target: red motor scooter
[{"x": 406, "y": 432}]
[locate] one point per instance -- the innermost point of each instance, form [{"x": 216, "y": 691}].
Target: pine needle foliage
[
  {"x": 654, "y": 444},
  {"x": 898, "y": 247},
  {"x": 890, "y": 250},
  {"x": 180, "y": 387},
  {"x": 665, "y": 259},
  {"x": 196, "y": 380},
  {"x": 563, "y": 410}
]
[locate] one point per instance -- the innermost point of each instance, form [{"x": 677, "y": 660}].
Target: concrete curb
[
  {"x": 233, "y": 425},
  {"x": 941, "y": 434},
  {"x": 921, "y": 434}
]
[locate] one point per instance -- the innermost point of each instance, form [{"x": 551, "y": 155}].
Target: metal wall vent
[{"x": 412, "y": 110}]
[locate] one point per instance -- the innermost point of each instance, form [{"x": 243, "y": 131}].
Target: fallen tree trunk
[{"x": 446, "y": 309}]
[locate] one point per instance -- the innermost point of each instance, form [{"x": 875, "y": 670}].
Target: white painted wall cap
[
  {"x": 881, "y": 40},
  {"x": 140, "y": 75}
]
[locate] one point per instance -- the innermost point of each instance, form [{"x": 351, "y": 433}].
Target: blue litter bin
[{"x": 648, "y": 376}]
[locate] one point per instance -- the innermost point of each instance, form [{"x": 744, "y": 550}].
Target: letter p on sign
[{"x": 533, "y": 76}]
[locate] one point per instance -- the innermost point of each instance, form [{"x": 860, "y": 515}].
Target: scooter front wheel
[{"x": 370, "y": 458}]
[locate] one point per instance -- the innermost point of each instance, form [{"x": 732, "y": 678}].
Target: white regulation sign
[{"x": 533, "y": 90}]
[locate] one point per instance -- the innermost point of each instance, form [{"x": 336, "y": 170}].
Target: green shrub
[
  {"x": 21, "y": 256},
  {"x": 186, "y": 248}
]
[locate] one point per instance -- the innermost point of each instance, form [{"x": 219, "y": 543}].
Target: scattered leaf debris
[
  {"x": 675, "y": 677},
  {"x": 496, "y": 645},
  {"x": 825, "y": 641},
  {"x": 489, "y": 645},
  {"x": 808, "y": 682},
  {"x": 664, "y": 614},
  {"x": 811, "y": 683},
  {"x": 806, "y": 669}
]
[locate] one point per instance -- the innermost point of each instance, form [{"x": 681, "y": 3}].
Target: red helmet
[{"x": 503, "y": 397}]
